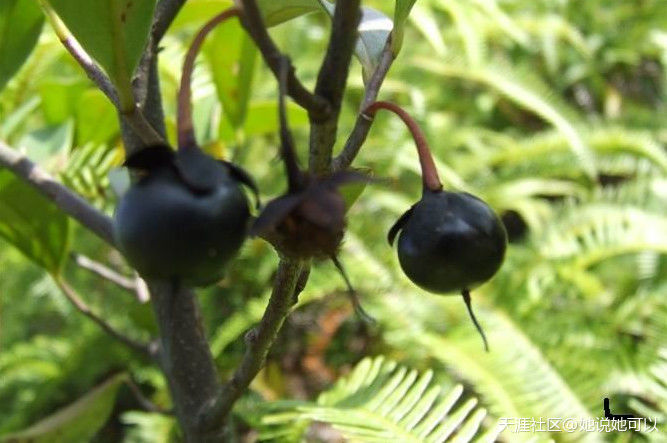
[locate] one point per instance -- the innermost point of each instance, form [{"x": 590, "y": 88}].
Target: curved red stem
[
  {"x": 429, "y": 172},
  {"x": 186, "y": 134}
]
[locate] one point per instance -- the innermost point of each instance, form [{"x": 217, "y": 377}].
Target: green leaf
[
  {"x": 381, "y": 401},
  {"x": 32, "y": 223},
  {"x": 232, "y": 56},
  {"x": 96, "y": 118},
  {"x": 263, "y": 119},
  {"x": 20, "y": 25},
  {"x": 77, "y": 422},
  {"x": 401, "y": 13},
  {"x": 43, "y": 144},
  {"x": 60, "y": 98},
  {"x": 276, "y": 12},
  {"x": 113, "y": 32}
]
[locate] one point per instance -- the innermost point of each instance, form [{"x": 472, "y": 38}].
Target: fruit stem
[
  {"x": 430, "y": 177},
  {"x": 287, "y": 149},
  {"x": 186, "y": 133},
  {"x": 466, "y": 298}
]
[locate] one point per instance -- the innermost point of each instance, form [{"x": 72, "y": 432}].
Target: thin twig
[
  {"x": 105, "y": 272},
  {"x": 132, "y": 115},
  {"x": 363, "y": 125},
  {"x": 251, "y": 19},
  {"x": 331, "y": 82},
  {"x": 258, "y": 342},
  {"x": 82, "y": 307},
  {"x": 65, "y": 199},
  {"x": 144, "y": 402}
]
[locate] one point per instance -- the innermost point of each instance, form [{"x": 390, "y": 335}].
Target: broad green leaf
[
  {"x": 31, "y": 223},
  {"x": 60, "y": 98},
  {"x": 195, "y": 13},
  {"x": 96, "y": 118},
  {"x": 263, "y": 119},
  {"x": 113, "y": 32},
  {"x": 232, "y": 56},
  {"x": 20, "y": 25},
  {"x": 77, "y": 422},
  {"x": 276, "y": 12},
  {"x": 401, "y": 12}
]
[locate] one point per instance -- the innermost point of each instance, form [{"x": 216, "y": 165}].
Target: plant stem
[
  {"x": 331, "y": 82},
  {"x": 430, "y": 177},
  {"x": 103, "y": 271},
  {"x": 64, "y": 198},
  {"x": 185, "y": 357},
  {"x": 251, "y": 19},
  {"x": 82, "y": 307},
  {"x": 363, "y": 125},
  {"x": 186, "y": 134},
  {"x": 258, "y": 342}
]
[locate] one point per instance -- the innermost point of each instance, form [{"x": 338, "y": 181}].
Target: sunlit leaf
[
  {"x": 232, "y": 57},
  {"x": 77, "y": 422},
  {"x": 401, "y": 12},
  {"x": 32, "y": 223},
  {"x": 113, "y": 32},
  {"x": 20, "y": 25}
]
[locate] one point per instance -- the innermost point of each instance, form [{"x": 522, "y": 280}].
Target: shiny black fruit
[
  {"x": 184, "y": 218},
  {"x": 449, "y": 242}
]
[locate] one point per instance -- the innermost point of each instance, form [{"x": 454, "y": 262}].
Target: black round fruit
[
  {"x": 171, "y": 228},
  {"x": 449, "y": 242}
]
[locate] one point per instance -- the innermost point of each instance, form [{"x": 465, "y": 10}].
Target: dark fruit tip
[
  {"x": 402, "y": 220},
  {"x": 352, "y": 294},
  {"x": 466, "y": 298},
  {"x": 149, "y": 157}
]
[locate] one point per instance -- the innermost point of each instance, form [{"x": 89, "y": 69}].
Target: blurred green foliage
[{"x": 552, "y": 111}]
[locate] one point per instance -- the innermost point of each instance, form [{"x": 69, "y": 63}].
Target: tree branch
[
  {"x": 258, "y": 342},
  {"x": 106, "y": 273},
  {"x": 82, "y": 307},
  {"x": 165, "y": 13},
  {"x": 65, "y": 199},
  {"x": 185, "y": 358},
  {"x": 331, "y": 82},
  {"x": 144, "y": 402},
  {"x": 363, "y": 125},
  {"x": 251, "y": 19}
]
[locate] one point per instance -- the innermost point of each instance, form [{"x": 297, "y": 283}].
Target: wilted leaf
[
  {"x": 20, "y": 25},
  {"x": 31, "y": 223},
  {"x": 77, "y": 422},
  {"x": 374, "y": 30}
]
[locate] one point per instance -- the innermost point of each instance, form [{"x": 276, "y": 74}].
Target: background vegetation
[{"x": 552, "y": 111}]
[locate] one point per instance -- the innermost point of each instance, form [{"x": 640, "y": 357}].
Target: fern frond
[
  {"x": 525, "y": 89},
  {"x": 382, "y": 401},
  {"x": 87, "y": 172},
  {"x": 595, "y": 232}
]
